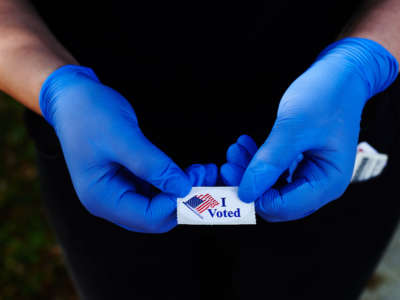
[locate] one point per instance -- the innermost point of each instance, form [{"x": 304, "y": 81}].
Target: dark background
[{"x": 31, "y": 262}]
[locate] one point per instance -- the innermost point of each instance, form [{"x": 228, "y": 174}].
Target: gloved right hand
[{"x": 110, "y": 161}]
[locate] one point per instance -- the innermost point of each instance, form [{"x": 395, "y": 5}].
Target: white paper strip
[{"x": 369, "y": 163}]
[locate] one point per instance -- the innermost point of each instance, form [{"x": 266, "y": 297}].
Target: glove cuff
[
  {"x": 55, "y": 80},
  {"x": 376, "y": 66}
]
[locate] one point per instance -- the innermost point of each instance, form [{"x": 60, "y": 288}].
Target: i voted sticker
[{"x": 214, "y": 206}]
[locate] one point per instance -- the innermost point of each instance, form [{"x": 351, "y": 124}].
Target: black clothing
[
  {"x": 215, "y": 62},
  {"x": 189, "y": 41},
  {"x": 202, "y": 73}
]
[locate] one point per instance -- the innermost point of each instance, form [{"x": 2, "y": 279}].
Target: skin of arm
[
  {"x": 29, "y": 53},
  {"x": 377, "y": 20}
]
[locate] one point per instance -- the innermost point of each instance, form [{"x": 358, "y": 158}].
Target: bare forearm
[
  {"x": 378, "y": 20},
  {"x": 28, "y": 52}
]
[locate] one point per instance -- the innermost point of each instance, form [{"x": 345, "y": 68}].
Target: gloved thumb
[
  {"x": 146, "y": 161},
  {"x": 272, "y": 159}
]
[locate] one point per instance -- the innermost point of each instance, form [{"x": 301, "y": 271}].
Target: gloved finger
[
  {"x": 134, "y": 151},
  {"x": 279, "y": 205},
  {"x": 293, "y": 167},
  {"x": 231, "y": 174},
  {"x": 247, "y": 142},
  {"x": 238, "y": 155},
  {"x": 212, "y": 175},
  {"x": 315, "y": 183},
  {"x": 202, "y": 175},
  {"x": 196, "y": 173},
  {"x": 267, "y": 165},
  {"x": 241, "y": 152},
  {"x": 114, "y": 198},
  {"x": 164, "y": 224}
]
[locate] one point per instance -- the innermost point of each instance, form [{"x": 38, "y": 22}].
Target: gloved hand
[
  {"x": 111, "y": 163},
  {"x": 318, "y": 123}
]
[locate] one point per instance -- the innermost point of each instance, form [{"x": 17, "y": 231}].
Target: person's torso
[
  {"x": 197, "y": 42},
  {"x": 196, "y": 65}
]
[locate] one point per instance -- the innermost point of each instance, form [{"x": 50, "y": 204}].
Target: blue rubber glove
[
  {"x": 111, "y": 163},
  {"x": 316, "y": 129}
]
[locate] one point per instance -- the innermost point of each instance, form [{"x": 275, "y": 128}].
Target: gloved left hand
[{"x": 318, "y": 121}]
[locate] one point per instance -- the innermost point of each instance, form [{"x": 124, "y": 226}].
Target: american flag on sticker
[{"x": 200, "y": 203}]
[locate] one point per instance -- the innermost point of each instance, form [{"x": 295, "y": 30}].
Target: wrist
[
  {"x": 374, "y": 65},
  {"x": 63, "y": 76}
]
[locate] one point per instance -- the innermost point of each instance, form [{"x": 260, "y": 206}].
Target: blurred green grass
[{"x": 31, "y": 262}]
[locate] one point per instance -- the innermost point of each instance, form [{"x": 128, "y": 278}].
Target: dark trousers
[{"x": 328, "y": 255}]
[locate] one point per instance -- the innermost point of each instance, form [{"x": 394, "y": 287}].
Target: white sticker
[
  {"x": 214, "y": 206},
  {"x": 369, "y": 163}
]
